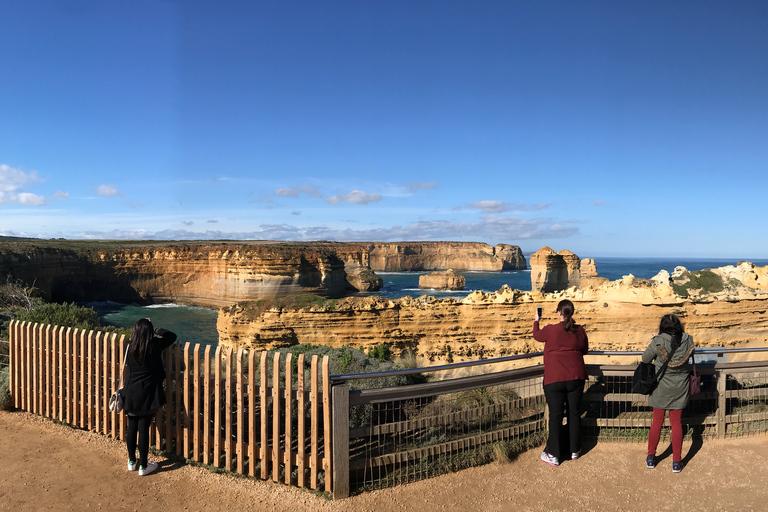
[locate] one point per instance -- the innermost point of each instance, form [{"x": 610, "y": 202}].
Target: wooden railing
[{"x": 220, "y": 409}]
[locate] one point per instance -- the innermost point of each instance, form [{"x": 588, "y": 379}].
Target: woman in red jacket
[{"x": 565, "y": 344}]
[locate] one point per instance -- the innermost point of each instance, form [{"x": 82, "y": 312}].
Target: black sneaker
[
  {"x": 677, "y": 467},
  {"x": 650, "y": 462}
]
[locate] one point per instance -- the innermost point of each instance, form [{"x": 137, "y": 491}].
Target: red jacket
[{"x": 563, "y": 352}]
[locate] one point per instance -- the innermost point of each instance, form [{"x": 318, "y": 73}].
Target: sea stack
[{"x": 448, "y": 280}]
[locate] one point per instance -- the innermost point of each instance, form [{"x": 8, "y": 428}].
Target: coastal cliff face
[
  {"x": 219, "y": 274},
  {"x": 409, "y": 256},
  {"x": 619, "y": 315},
  {"x": 205, "y": 274}
]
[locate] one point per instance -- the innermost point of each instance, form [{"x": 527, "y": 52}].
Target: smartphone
[{"x": 538, "y": 311}]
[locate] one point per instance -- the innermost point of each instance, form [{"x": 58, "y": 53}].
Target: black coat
[{"x": 143, "y": 390}]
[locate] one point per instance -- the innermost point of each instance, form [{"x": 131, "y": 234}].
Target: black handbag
[{"x": 645, "y": 379}]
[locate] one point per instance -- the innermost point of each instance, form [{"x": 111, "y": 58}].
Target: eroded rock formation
[
  {"x": 448, "y": 280},
  {"x": 619, "y": 315},
  {"x": 407, "y": 256},
  {"x": 221, "y": 273}
]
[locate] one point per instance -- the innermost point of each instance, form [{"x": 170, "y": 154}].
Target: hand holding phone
[{"x": 538, "y": 313}]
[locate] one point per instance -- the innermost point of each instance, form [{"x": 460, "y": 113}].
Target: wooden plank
[
  {"x": 96, "y": 372},
  {"x": 49, "y": 366},
  {"x": 239, "y": 407},
  {"x": 340, "y": 454},
  {"x": 82, "y": 378},
  {"x": 187, "y": 404},
  {"x": 89, "y": 380},
  {"x": 327, "y": 429},
  {"x": 252, "y": 413},
  {"x": 228, "y": 410},
  {"x": 288, "y": 417},
  {"x": 178, "y": 383},
  {"x": 314, "y": 426},
  {"x": 301, "y": 402},
  {"x": 217, "y": 409},
  {"x": 196, "y": 405},
  {"x": 35, "y": 377},
  {"x": 70, "y": 403},
  {"x": 29, "y": 352},
  {"x": 14, "y": 367},
  {"x": 276, "y": 417},
  {"x": 207, "y": 406},
  {"x": 61, "y": 383},
  {"x": 263, "y": 416},
  {"x": 114, "y": 375},
  {"x": 168, "y": 409}
]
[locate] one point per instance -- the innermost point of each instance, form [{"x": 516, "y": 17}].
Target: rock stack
[{"x": 448, "y": 280}]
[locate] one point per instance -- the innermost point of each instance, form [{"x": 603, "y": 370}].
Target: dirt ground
[{"x": 48, "y": 466}]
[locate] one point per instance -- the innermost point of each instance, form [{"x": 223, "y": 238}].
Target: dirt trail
[{"x": 47, "y": 466}]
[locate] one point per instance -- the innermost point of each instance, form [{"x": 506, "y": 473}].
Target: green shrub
[
  {"x": 380, "y": 352},
  {"x": 704, "y": 280},
  {"x": 67, "y": 314}
]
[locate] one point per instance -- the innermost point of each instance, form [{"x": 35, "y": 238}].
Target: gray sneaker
[{"x": 549, "y": 459}]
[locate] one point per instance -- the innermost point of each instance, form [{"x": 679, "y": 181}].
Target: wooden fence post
[
  {"x": 340, "y": 459},
  {"x": 721, "y": 403}
]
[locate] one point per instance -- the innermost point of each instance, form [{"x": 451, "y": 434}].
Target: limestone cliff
[
  {"x": 221, "y": 273},
  {"x": 408, "y": 256},
  {"x": 209, "y": 274},
  {"x": 619, "y": 315}
]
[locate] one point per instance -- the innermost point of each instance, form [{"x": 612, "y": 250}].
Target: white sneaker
[
  {"x": 549, "y": 459},
  {"x": 132, "y": 466},
  {"x": 575, "y": 455},
  {"x": 151, "y": 467}
]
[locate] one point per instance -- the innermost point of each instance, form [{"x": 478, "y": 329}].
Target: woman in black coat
[{"x": 143, "y": 391}]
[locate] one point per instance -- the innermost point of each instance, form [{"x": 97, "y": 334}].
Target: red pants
[{"x": 675, "y": 421}]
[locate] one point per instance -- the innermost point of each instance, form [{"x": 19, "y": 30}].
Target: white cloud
[
  {"x": 30, "y": 199},
  {"x": 355, "y": 197},
  {"x": 106, "y": 191},
  {"x": 504, "y": 206},
  {"x": 492, "y": 229},
  {"x": 296, "y": 191},
  {"x": 12, "y": 179},
  {"x": 420, "y": 185}
]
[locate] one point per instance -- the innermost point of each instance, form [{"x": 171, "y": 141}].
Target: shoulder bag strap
[
  {"x": 125, "y": 358},
  {"x": 663, "y": 368}
]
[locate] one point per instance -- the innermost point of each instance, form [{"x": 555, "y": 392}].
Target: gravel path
[{"x": 48, "y": 466}]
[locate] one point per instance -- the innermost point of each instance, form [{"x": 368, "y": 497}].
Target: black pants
[
  {"x": 138, "y": 426},
  {"x": 562, "y": 396}
]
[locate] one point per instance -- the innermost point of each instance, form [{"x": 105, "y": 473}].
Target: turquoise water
[{"x": 197, "y": 324}]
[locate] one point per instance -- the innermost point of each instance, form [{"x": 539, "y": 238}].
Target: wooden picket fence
[{"x": 215, "y": 414}]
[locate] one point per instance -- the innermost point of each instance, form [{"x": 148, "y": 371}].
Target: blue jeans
[{"x": 562, "y": 396}]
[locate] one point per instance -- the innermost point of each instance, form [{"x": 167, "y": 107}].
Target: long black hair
[
  {"x": 671, "y": 325},
  {"x": 565, "y": 308},
  {"x": 141, "y": 335}
]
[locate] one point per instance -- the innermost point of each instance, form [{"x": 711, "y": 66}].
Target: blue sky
[{"x": 605, "y": 128}]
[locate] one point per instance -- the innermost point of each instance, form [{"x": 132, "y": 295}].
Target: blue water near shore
[{"x": 199, "y": 324}]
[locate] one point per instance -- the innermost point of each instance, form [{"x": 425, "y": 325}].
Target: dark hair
[
  {"x": 141, "y": 335},
  {"x": 671, "y": 325},
  {"x": 565, "y": 308}
]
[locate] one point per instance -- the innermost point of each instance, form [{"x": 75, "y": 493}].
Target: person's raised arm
[{"x": 164, "y": 338}]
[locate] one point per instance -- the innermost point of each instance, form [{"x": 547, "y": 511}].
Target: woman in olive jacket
[
  {"x": 143, "y": 391},
  {"x": 672, "y": 392}
]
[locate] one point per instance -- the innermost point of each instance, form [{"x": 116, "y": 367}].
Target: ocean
[{"x": 199, "y": 324}]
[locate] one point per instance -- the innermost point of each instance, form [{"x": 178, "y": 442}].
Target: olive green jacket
[{"x": 673, "y": 389}]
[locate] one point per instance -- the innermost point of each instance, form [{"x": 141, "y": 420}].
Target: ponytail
[{"x": 565, "y": 308}]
